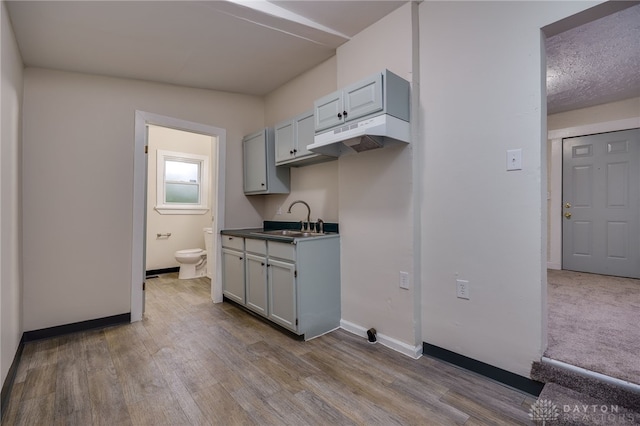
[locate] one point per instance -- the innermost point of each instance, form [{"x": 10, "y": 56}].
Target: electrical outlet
[
  {"x": 279, "y": 210},
  {"x": 404, "y": 280},
  {"x": 462, "y": 289}
]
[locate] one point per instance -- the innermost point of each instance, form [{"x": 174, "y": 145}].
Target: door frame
[
  {"x": 555, "y": 138},
  {"x": 138, "y": 268}
]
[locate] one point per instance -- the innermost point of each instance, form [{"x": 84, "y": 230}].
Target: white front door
[{"x": 601, "y": 203}]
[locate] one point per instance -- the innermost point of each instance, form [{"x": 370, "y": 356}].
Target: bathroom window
[{"x": 182, "y": 184}]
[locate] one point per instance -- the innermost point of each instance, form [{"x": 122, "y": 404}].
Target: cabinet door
[
  {"x": 255, "y": 162},
  {"x": 285, "y": 141},
  {"x": 282, "y": 294},
  {"x": 257, "y": 284},
  {"x": 363, "y": 98},
  {"x": 305, "y": 132},
  {"x": 328, "y": 111},
  {"x": 233, "y": 275}
]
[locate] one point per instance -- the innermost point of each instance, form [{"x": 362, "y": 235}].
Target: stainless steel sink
[{"x": 290, "y": 233}]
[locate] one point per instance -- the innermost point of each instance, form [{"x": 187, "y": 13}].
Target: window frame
[{"x": 162, "y": 206}]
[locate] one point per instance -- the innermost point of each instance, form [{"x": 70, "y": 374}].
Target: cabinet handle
[
  {"x": 295, "y": 150},
  {"x": 268, "y": 265},
  {"x": 262, "y": 184},
  {"x": 339, "y": 115},
  {"x": 240, "y": 258},
  {"x": 262, "y": 263},
  {"x": 230, "y": 238},
  {"x": 344, "y": 113},
  {"x": 291, "y": 152}
]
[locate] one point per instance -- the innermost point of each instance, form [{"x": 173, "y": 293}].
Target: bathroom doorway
[
  {"x": 212, "y": 212},
  {"x": 179, "y": 202}
]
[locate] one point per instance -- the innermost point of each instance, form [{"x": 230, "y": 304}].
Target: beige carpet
[{"x": 594, "y": 323}]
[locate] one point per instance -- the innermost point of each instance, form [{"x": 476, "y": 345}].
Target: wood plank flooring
[{"x": 190, "y": 362}]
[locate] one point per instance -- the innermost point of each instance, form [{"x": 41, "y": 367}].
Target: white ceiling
[
  {"x": 216, "y": 45},
  {"x": 254, "y": 47}
]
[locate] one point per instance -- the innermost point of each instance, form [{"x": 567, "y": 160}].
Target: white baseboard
[
  {"x": 554, "y": 265},
  {"x": 414, "y": 352}
]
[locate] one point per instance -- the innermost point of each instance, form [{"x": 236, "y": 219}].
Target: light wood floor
[{"x": 190, "y": 362}]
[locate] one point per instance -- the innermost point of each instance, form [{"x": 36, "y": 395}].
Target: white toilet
[{"x": 193, "y": 262}]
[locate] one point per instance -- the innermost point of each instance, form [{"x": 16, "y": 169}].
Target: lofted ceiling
[{"x": 253, "y": 47}]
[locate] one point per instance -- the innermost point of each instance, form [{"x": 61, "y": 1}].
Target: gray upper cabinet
[
  {"x": 328, "y": 111},
  {"x": 291, "y": 140},
  {"x": 363, "y": 98},
  {"x": 381, "y": 93},
  {"x": 261, "y": 176},
  {"x": 285, "y": 141}
]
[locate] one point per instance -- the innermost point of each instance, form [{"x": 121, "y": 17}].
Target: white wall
[
  {"x": 78, "y": 139},
  {"x": 316, "y": 184},
  {"x": 482, "y": 94},
  {"x": 628, "y": 108},
  {"x": 369, "y": 194},
  {"x": 185, "y": 229},
  {"x": 376, "y": 198},
  {"x": 10, "y": 197}
]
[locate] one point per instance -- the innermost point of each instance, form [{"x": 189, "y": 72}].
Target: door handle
[
  {"x": 567, "y": 215},
  {"x": 567, "y": 206}
]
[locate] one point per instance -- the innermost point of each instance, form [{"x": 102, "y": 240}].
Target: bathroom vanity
[{"x": 291, "y": 278}]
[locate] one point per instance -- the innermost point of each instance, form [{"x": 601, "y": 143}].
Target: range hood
[{"x": 363, "y": 135}]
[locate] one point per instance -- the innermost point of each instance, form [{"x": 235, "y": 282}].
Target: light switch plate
[
  {"x": 514, "y": 159},
  {"x": 404, "y": 280}
]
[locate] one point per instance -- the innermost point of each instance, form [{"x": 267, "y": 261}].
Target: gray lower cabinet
[
  {"x": 282, "y": 293},
  {"x": 256, "y": 275},
  {"x": 295, "y": 285},
  {"x": 233, "y": 271},
  {"x": 257, "y": 283}
]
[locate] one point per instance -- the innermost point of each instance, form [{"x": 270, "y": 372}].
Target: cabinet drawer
[
  {"x": 256, "y": 246},
  {"x": 233, "y": 242},
  {"x": 282, "y": 250}
]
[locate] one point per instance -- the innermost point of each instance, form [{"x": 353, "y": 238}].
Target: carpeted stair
[{"x": 571, "y": 397}]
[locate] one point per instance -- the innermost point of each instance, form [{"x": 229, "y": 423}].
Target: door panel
[
  {"x": 328, "y": 111},
  {"x": 282, "y": 294},
  {"x": 233, "y": 275},
  {"x": 255, "y": 166},
  {"x": 305, "y": 133},
  {"x": 601, "y": 204},
  {"x": 284, "y": 141},
  {"x": 363, "y": 98},
  {"x": 256, "y": 287}
]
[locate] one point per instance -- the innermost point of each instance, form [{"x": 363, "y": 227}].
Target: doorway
[
  {"x": 579, "y": 312},
  {"x": 218, "y": 137},
  {"x": 179, "y": 202},
  {"x": 555, "y": 198}
]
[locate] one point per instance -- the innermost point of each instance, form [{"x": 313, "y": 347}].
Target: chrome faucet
[{"x": 304, "y": 227}]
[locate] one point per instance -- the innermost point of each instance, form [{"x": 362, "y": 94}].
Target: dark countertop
[{"x": 272, "y": 225}]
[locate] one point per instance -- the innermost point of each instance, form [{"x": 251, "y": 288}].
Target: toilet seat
[{"x": 192, "y": 252}]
